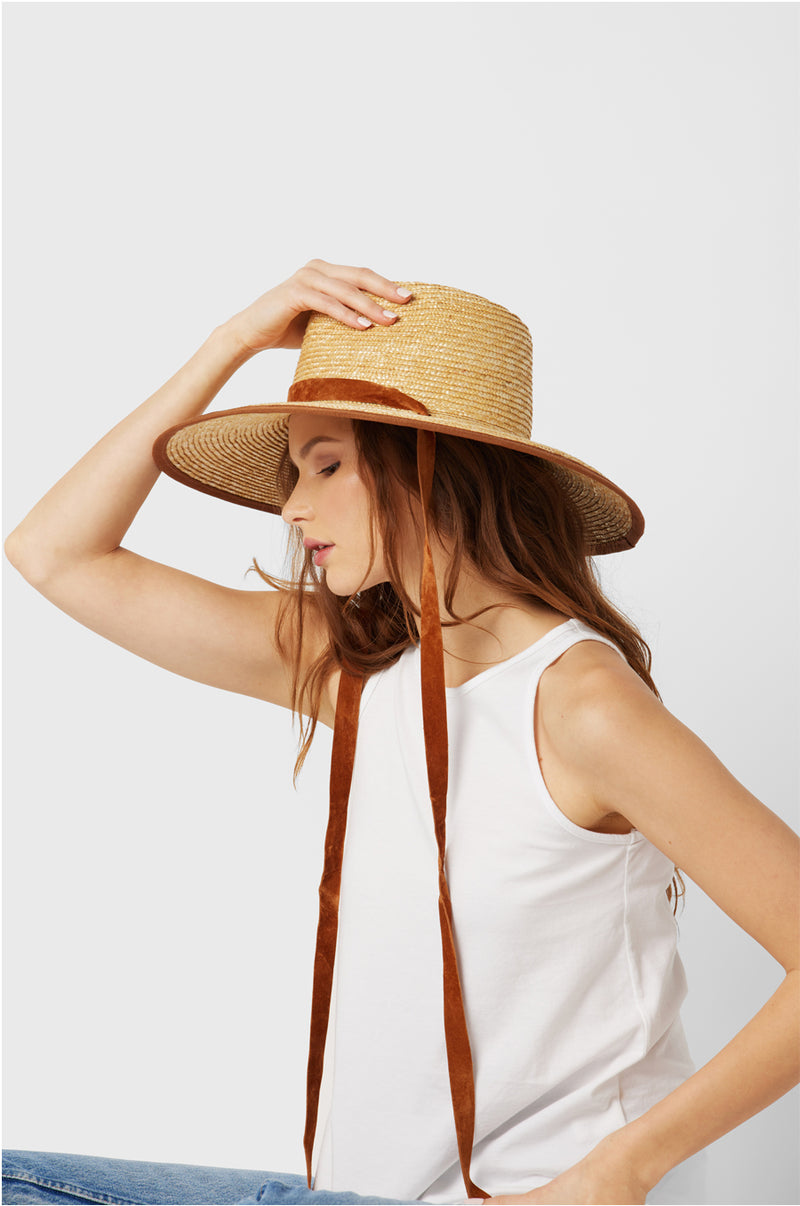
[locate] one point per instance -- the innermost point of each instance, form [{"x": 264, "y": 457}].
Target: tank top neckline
[
  {"x": 485, "y": 675},
  {"x": 498, "y": 667}
]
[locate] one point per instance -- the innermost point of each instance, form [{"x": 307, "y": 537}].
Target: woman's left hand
[{"x": 595, "y": 1179}]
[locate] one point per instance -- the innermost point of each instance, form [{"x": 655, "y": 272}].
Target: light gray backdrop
[{"x": 623, "y": 176}]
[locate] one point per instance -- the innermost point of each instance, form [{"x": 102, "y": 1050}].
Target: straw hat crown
[{"x": 467, "y": 360}]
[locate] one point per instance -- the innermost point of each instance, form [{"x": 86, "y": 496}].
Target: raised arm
[{"x": 69, "y": 546}]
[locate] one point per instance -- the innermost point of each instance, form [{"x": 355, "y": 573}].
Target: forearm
[
  {"x": 87, "y": 513},
  {"x": 756, "y": 1068}
]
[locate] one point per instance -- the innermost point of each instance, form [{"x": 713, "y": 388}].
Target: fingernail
[
  {"x": 389, "y": 314},
  {"x": 403, "y": 292},
  {"x": 364, "y": 321}
]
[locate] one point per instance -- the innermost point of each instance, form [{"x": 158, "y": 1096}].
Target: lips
[{"x": 318, "y": 549}]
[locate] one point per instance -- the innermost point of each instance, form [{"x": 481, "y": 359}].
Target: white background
[{"x": 623, "y": 176}]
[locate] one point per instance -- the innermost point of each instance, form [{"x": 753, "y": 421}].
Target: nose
[{"x": 296, "y": 509}]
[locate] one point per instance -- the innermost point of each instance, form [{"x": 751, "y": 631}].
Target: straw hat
[{"x": 453, "y": 363}]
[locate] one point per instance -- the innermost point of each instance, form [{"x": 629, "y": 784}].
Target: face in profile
[{"x": 330, "y": 503}]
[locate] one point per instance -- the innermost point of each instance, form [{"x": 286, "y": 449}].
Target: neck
[{"x": 509, "y": 625}]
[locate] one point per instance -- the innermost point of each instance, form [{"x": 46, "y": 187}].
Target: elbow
[
  {"x": 29, "y": 561},
  {"x": 14, "y": 547},
  {"x": 44, "y": 563}
]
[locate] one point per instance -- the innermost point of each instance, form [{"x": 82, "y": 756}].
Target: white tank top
[{"x": 566, "y": 945}]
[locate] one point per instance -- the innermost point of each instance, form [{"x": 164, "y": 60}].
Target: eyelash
[{"x": 329, "y": 470}]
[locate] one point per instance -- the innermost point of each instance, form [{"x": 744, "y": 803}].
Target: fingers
[
  {"x": 363, "y": 278},
  {"x": 339, "y": 290}
]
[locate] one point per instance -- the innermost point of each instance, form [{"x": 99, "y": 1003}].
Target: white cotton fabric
[{"x": 566, "y": 944}]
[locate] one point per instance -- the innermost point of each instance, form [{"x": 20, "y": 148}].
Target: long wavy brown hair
[{"x": 503, "y": 514}]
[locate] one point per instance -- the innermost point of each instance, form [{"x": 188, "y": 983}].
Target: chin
[{"x": 344, "y": 585}]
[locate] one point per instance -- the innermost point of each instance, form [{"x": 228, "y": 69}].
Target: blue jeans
[{"x": 58, "y": 1177}]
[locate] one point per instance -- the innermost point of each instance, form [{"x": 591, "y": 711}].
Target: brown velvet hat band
[
  {"x": 434, "y": 717},
  {"x": 350, "y": 389}
]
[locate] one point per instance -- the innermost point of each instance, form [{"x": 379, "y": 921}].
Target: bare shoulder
[
  {"x": 583, "y": 720},
  {"x": 591, "y": 688}
]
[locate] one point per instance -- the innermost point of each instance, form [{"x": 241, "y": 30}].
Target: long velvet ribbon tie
[
  {"x": 434, "y": 723},
  {"x": 343, "y": 755},
  {"x": 434, "y": 719}
]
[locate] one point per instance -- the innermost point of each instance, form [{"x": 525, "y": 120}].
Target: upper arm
[
  {"x": 636, "y": 758},
  {"x": 188, "y": 625}
]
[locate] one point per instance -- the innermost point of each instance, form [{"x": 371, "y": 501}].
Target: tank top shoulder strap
[{"x": 560, "y": 639}]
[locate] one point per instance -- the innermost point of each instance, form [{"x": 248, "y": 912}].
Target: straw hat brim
[{"x": 235, "y": 454}]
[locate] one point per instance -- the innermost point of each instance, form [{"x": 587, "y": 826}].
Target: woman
[{"x": 443, "y": 593}]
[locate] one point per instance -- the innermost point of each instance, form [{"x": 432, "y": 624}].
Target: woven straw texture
[{"x": 465, "y": 359}]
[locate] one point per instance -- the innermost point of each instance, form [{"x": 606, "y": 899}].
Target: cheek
[
  {"x": 354, "y": 502},
  {"x": 363, "y": 545}
]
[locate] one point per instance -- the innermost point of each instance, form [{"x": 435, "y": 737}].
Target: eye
[{"x": 329, "y": 470}]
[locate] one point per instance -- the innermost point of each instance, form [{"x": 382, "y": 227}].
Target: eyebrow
[{"x": 304, "y": 451}]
